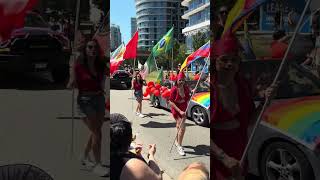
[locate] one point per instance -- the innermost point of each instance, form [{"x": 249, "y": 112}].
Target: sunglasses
[
  {"x": 223, "y": 12},
  {"x": 91, "y": 46}
]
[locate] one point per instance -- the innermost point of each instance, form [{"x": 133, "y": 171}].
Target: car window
[
  {"x": 298, "y": 82},
  {"x": 33, "y": 20},
  {"x": 294, "y": 82}
]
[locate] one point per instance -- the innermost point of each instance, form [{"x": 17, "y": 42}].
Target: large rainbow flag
[
  {"x": 240, "y": 12},
  {"x": 202, "y": 52},
  {"x": 202, "y": 98},
  {"x": 298, "y": 118}
]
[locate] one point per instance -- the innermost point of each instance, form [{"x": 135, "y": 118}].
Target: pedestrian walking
[
  {"x": 137, "y": 85},
  {"x": 88, "y": 76}
]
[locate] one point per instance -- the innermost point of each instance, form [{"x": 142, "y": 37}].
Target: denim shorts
[
  {"x": 138, "y": 94},
  {"x": 91, "y": 104}
]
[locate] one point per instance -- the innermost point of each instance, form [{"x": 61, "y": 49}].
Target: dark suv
[
  {"x": 35, "y": 47},
  {"x": 121, "y": 77}
]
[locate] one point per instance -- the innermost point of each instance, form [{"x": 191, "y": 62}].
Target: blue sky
[{"x": 121, "y": 12}]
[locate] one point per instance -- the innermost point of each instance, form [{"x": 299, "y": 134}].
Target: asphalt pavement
[
  {"x": 36, "y": 127},
  {"x": 159, "y": 127}
]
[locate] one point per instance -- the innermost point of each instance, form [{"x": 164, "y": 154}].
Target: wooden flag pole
[
  {"x": 279, "y": 73},
  {"x": 192, "y": 94}
]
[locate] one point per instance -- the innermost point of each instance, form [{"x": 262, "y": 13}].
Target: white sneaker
[
  {"x": 176, "y": 143},
  {"x": 141, "y": 115},
  {"x": 100, "y": 170},
  {"x": 87, "y": 163},
  {"x": 137, "y": 113},
  {"x": 180, "y": 150}
]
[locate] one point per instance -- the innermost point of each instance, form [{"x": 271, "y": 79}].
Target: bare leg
[
  {"x": 181, "y": 131},
  {"x": 137, "y": 109},
  {"x": 140, "y": 106}
]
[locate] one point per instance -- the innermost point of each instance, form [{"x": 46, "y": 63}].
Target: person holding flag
[{"x": 179, "y": 98}]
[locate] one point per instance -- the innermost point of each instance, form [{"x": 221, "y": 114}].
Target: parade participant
[
  {"x": 137, "y": 84},
  {"x": 222, "y": 18},
  {"x": 179, "y": 98},
  {"x": 279, "y": 45},
  {"x": 126, "y": 165},
  {"x": 233, "y": 111},
  {"x": 88, "y": 76}
]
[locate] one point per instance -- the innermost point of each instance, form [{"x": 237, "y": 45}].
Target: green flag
[
  {"x": 149, "y": 66},
  {"x": 164, "y": 45},
  {"x": 160, "y": 77}
]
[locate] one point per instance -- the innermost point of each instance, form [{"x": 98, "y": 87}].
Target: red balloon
[
  {"x": 164, "y": 89},
  {"x": 148, "y": 90},
  {"x": 166, "y": 94},
  {"x": 145, "y": 94},
  {"x": 157, "y": 92},
  {"x": 151, "y": 83},
  {"x": 152, "y": 90},
  {"x": 158, "y": 86}
]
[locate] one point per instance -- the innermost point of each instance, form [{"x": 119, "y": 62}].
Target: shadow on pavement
[
  {"x": 153, "y": 124},
  {"x": 186, "y": 157},
  {"x": 151, "y": 115},
  {"x": 34, "y": 82},
  {"x": 198, "y": 150},
  {"x": 118, "y": 87}
]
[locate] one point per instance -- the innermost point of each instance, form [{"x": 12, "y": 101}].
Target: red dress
[
  {"x": 180, "y": 102},
  {"x": 232, "y": 142}
]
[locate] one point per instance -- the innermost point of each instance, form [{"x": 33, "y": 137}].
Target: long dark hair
[{"x": 99, "y": 62}]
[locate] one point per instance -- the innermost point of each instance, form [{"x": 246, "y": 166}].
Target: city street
[
  {"x": 36, "y": 127},
  {"x": 159, "y": 127}
]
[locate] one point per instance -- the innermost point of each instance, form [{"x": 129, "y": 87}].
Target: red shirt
[
  {"x": 278, "y": 49},
  {"x": 87, "y": 82},
  {"x": 137, "y": 86}
]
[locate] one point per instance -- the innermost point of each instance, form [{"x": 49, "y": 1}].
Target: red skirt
[{"x": 233, "y": 143}]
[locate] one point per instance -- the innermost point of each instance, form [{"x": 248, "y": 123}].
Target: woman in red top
[
  {"x": 233, "y": 109},
  {"x": 89, "y": 73},
  {"x": 179, "y": 98},
  {"x": 137, "y": 84}
]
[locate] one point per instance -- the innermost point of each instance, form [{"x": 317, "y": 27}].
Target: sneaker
[
  {"x": 141, "y": 115},
  {"x": 176, "y": 143},
  {"x": 137, "y": 113},
  {"x": 181, "y": 151},
  {"x": 87, "y": 163},
  {"x": 100, "y": 170}
]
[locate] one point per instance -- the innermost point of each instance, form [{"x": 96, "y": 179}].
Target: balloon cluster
[{"x": 157, "y": 90}]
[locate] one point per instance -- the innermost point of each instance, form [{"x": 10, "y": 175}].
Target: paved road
[
  {"x": 159, "y": 128},
  {"x": 36, "y": 127}
]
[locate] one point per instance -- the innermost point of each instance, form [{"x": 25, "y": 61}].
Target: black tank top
[{"x": 118, "y": 161}]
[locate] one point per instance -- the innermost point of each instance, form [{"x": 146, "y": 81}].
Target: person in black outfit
[{"x": 126, "y": 165}]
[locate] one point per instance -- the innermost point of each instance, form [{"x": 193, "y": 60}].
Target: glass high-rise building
[
  {"x": 115, "y": 37},
  {"x": 156, "y": 17},
  {"x": 198, "y": 16}
]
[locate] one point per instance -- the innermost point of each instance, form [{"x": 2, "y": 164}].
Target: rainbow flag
[
  {"x": 240, "y": 12},
  {"x": 298, "y": 118},
  {"x": 202, "y": 52},
  {"x": 117, "y": 58},
  {"x": 202, "y": 99}
]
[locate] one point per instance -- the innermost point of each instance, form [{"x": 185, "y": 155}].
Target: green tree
[{"x": 199, "y": 40}]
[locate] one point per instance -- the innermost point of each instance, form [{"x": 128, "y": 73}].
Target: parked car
[
  {"x": 286, "y": 142},
  {"x": 198, "y": 109},
  {"x": 35, "y": 47},
  {"x": 121, "y": 77}
]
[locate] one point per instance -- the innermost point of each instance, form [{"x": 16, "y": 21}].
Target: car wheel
[
  {"x": 156, "y": 102},
  {"x": 199, "y": 116},
  {"x": 282, "y": 160},
  {"x": 60, "y": 74}
]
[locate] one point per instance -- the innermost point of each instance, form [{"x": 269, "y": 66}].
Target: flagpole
[
  {"x": 276, "y": 79},
  {"x": 192, "y": 94},
  {"x": 73, "y": 90}
]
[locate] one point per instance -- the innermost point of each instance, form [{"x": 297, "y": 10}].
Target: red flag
[
  {"x": 131, "y": 47},
  {"x": 12, "y": 14}
]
